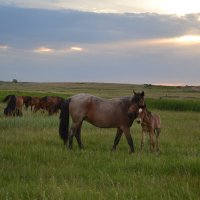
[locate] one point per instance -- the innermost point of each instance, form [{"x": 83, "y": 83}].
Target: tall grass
[
  {"x": 36, "y": 165},
  {"x": 174, "y": 104}
]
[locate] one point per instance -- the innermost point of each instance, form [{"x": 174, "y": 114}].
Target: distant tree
[{"x": 14, "y": 81}]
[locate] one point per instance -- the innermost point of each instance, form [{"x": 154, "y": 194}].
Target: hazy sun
[{"x": 188, "y": 39}]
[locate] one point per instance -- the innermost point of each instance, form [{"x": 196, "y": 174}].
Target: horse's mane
[{"x": 44, "y": 98}]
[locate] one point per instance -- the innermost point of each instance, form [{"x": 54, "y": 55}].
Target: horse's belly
[{"x": 101, "y": 123}]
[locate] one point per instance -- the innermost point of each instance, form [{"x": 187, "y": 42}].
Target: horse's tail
[
  {"x": 64, "y": 121},
  {"x": 6, "y": 98},
  {"x": 12, "y": 103}
]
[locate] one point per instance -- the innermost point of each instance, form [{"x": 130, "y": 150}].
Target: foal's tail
[{"x": 64, "y": 121}]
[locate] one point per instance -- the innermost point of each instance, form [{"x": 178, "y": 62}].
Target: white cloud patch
[
  {"x": 43, "y": 49},
  {"x": 4, "y": 47},
  {"x": 76, "y": 49}
]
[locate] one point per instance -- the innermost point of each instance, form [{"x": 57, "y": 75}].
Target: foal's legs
[
  {"x": 142, "y": 140},
  {"x": 117, "y": 138},
  {"x": 152, "y": 143},
  {"x": 157, "y": 131}
]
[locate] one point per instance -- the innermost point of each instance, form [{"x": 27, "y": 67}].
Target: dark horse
[
  {"x": 14, "y": 106},
  {"x": 114, "y": 113}
]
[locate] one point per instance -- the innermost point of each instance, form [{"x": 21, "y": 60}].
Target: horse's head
[
  {"x": 141, "y": 114},
  {"x": 7, "y": 112},
  {"x": 137, "y": 102}
]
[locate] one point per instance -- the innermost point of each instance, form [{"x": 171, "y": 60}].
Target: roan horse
[
  {"x": 114, "y": 113},
  {"x": 14, "y": 107},
  {"x": 150, "y": 123}
]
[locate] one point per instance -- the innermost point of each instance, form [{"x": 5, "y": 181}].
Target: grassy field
[{"x": 35, "y": 165}]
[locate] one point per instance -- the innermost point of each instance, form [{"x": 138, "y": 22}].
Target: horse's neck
[{"x": 147, "y": 117}]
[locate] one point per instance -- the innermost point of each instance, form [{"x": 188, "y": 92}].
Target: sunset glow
[
  {"x": 76, "y": 49},
  {"x": 188, "y": 39},
  {"x": 43, "y": 49},
  {"x": 3, "y": 47}
]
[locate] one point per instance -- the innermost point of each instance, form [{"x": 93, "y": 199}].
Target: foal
[{"x": 150, "y": 123}]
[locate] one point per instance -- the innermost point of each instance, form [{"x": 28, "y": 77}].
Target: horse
[
  {"x": 14, "y": 106},
  {"x": 26, "y": 101},
  {"x": 151, "y": 123},
  {"x": 33, "y": 102},
  {"x": 103, "y": 113},
  {"x": 50, "y": 103}
]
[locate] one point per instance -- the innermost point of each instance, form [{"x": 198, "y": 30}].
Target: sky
[{"x": 131, "y": 41}]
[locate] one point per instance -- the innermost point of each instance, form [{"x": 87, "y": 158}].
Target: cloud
[
  {"x": 76, "y": 49},
  {"x": 85, "y": 46},
  {"x": 4, "y": 47},
  {"x": 43, "y": 49},
  {"x": 29, "y": 27}
]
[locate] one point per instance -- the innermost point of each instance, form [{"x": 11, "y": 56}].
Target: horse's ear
[
  {"x": 142, "y": 94},
  {"x": 134, "y": 92}
]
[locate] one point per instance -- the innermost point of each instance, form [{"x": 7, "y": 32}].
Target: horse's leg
[
  {"x": 73, "y": 131},
  {"x": 152, "y": 143},
  {"x": 71, "y": 135},
  {"x": 142, "y": 140},
  {"x": 117, "y": 138},
  {"x": 78, "y": 137},
  {"x": 129, "y": 139}
]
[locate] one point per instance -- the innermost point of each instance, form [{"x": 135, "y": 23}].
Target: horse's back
[
  {"x": 19, "y": 101},
  {"x": 157, "y": 120},
  {"x": 96, "y": 110}
]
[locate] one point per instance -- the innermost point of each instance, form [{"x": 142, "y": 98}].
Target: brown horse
[
  {"x": 34, "y": 102},
  {"x": 14, "y": 106},
  {"x": 114, "y": 113},
  {"x": 26, "y": 101},
  {"x": 150, "y": 123},
  {"x": 50, "y": 103}
]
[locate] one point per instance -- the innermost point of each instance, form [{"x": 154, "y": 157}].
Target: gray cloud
[
  {"x": 22, "y": 26},
  {"x": 115, "y": 46}
]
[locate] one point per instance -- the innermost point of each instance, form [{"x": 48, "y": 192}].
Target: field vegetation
[{"x": 36, "y": 165}]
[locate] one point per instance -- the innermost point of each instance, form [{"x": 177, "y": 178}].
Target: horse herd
[
  {"x": 51, "y": 104},
  {"x": 118, "y": 113}
]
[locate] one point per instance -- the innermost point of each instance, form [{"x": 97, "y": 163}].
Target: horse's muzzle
[{"x": 132, "y": 115}]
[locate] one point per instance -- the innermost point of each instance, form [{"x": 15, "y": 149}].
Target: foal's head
[
  {"x": 141, "y": 113},
  {"x": 137, "y": 102}
]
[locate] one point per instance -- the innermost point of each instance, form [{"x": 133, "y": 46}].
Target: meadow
[{"x": 36, "y": 165}]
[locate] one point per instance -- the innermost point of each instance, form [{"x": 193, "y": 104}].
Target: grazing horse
[
  {"x": 34, "y": 102},
  {"x": 14, "y": 107},
  {"x": 50, "y": 103},
  {"x": 150, "y": 123},
  {"x": 26, "y": 101},
  {"x": 114, "y": 113}
]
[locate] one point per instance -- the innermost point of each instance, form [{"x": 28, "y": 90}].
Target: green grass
[
  {"x": 35, "y": 165},
  {"x": 174, "y": 104}
]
